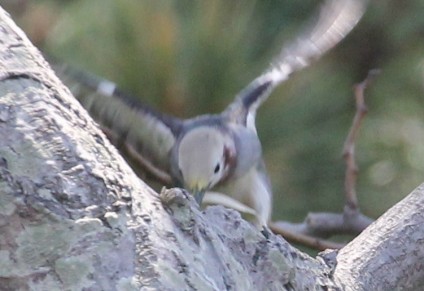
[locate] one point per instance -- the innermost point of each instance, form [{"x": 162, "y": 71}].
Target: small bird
[{"x": 215, "y": 154}]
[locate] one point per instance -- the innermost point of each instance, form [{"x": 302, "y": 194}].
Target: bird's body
[
  {"x": 229, "y": 160},
  {"x": 208, "y": 154},
  {"x": 215, "y": 153}
]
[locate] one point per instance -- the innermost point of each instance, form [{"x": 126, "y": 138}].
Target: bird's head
[{"x": 205, "y": 157}]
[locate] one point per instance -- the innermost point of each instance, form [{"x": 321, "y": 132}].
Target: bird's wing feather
[
  {"x": 147, "y": 134},
  {"x": 335, "y": 20}
]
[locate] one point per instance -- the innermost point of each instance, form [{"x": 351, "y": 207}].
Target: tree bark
[
  {"x": 73, "y": 215},
  {"x": 388, "y": 255}
]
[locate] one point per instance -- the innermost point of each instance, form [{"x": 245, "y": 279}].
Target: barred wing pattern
[{"x": 335, "y": 20}]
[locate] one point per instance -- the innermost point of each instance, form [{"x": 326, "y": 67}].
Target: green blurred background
[{"x": 192, "y": 57}]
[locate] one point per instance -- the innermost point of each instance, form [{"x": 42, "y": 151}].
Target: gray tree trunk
[{"x": 73, "y": 216}]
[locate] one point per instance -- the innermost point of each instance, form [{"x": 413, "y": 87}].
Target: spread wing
[
  {"x": 144, "y": 135},
  {"x": 335, "y": 20}
]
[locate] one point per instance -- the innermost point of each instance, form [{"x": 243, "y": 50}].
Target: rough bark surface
[
  {"x": 59, "y": 227},
  {"x": 388, "y": 255},
  {"x": 73, "y": 216}
]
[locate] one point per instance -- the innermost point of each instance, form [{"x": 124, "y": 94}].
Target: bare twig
[
  {"x": 144, "y": 166},
  {"x": 160, "y": 176},
  {"x": 351, "y": 220},
  {"x": 349, "y": 145},
  {"x": 303, "y": 239},
  {"x": 326, "y": 224}
]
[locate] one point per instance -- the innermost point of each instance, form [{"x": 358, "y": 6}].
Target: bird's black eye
[{"x": 217, "y": 167}]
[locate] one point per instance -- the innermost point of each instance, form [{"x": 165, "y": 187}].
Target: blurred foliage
[{"x": 192, "y": 57}]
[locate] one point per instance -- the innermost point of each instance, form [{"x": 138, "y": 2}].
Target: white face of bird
[{"x": 204, "y": 158}]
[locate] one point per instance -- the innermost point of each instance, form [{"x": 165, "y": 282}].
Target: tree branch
[{"x": 376, "y": 261}]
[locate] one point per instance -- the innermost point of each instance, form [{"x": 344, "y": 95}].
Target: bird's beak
[
  {"x": 198, "y": 190},
  {"x": 198, "y": 196}
]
